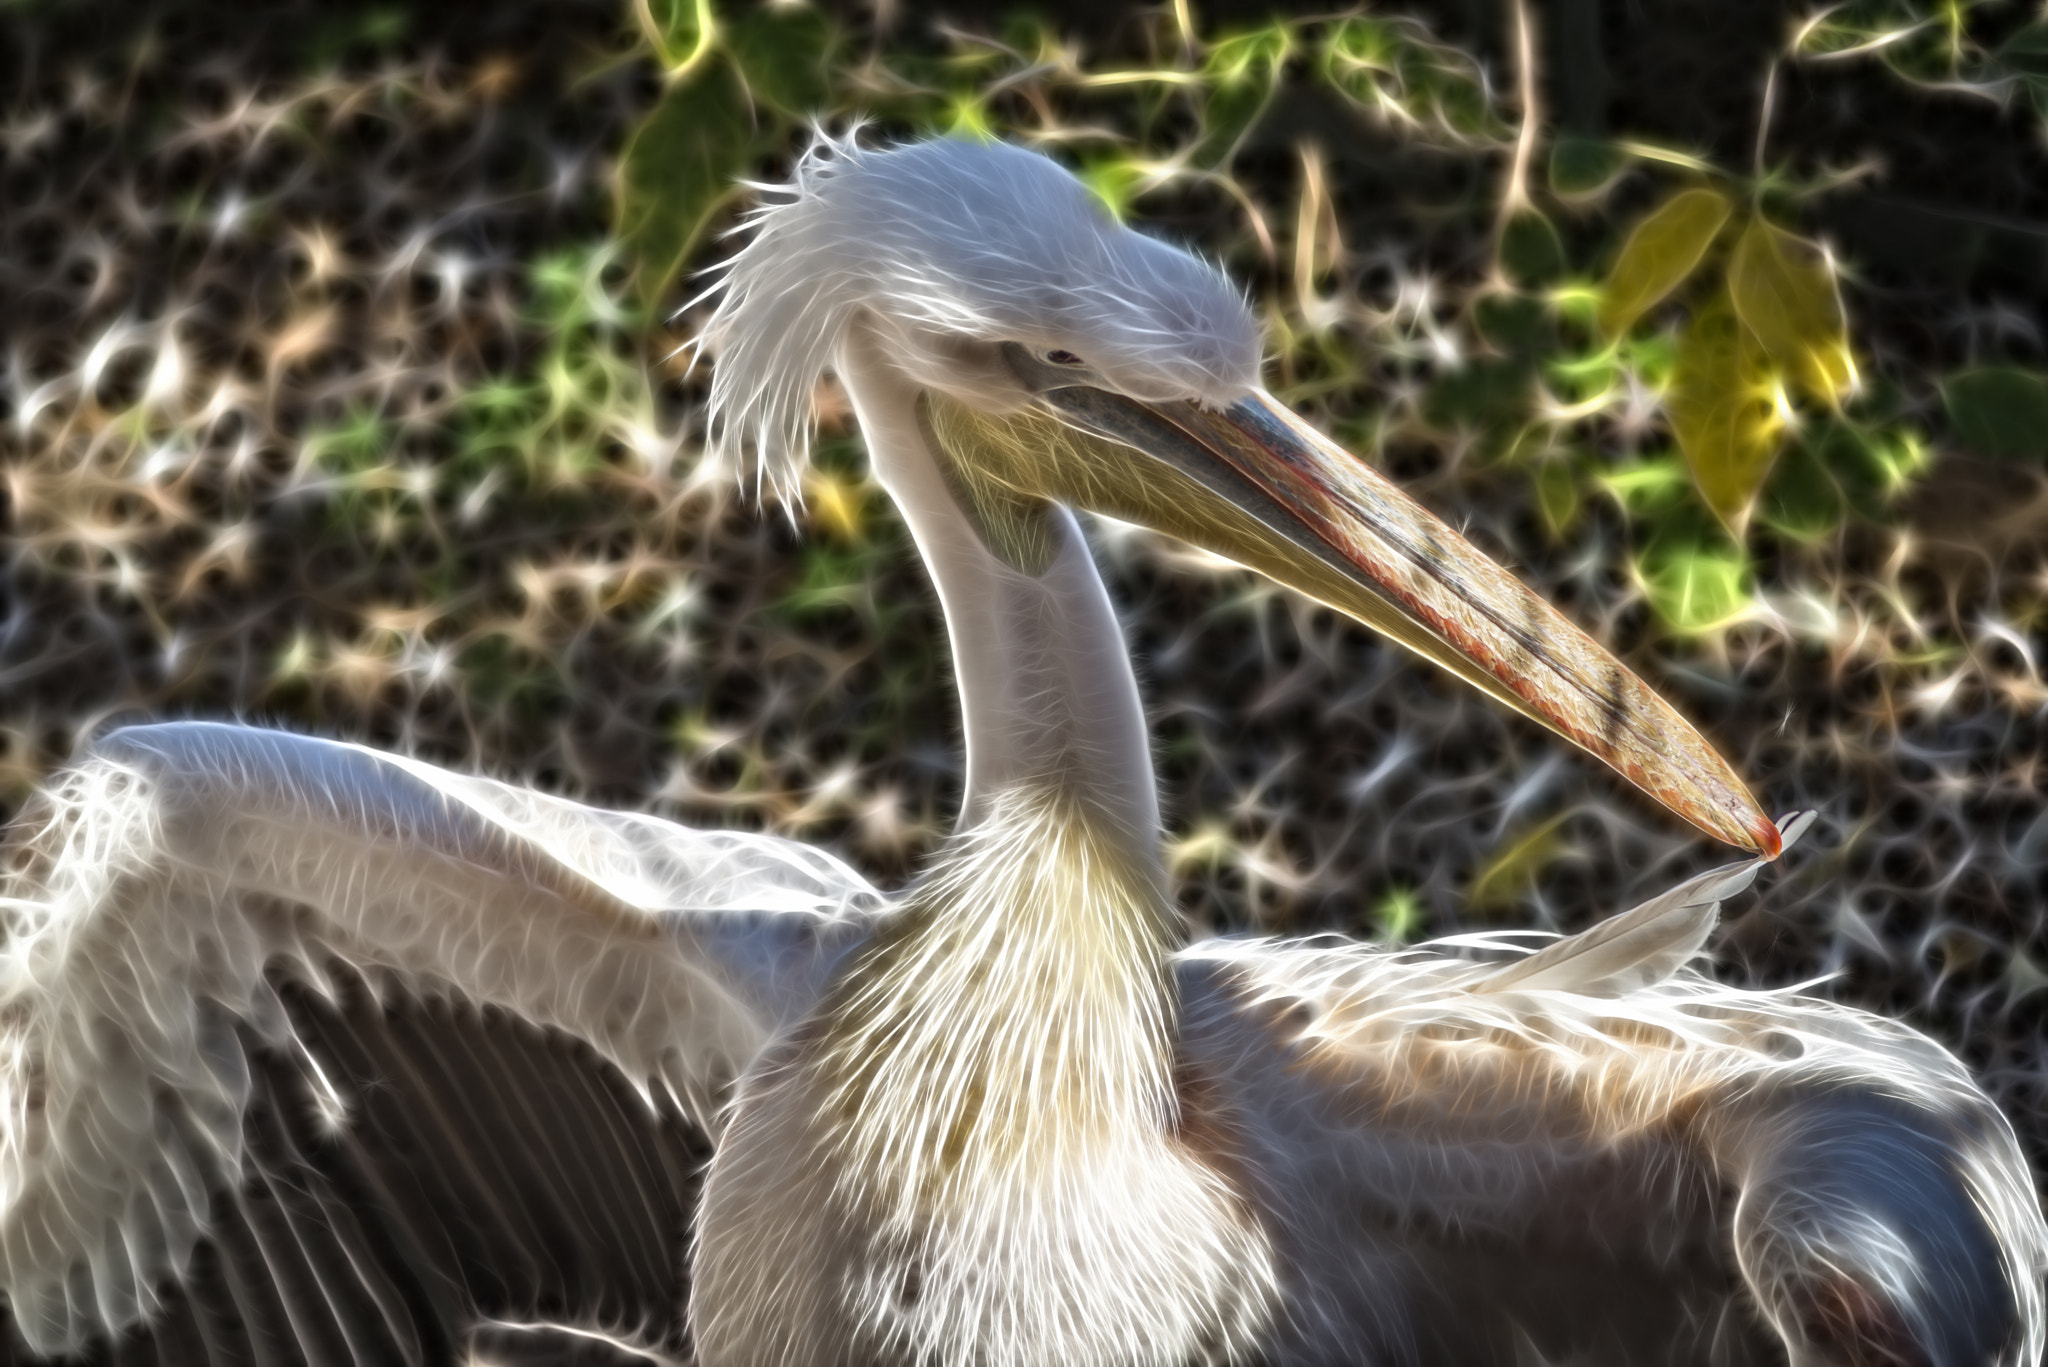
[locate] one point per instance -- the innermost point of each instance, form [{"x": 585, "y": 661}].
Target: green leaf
[
  {"x": 1695, "y": 584},
  {"x": 679, "y": 31},
  {"x": 1485, "y": 394},
  {"x": 678, "y": 166},
  {"x": 1241, "y": 73},
  {"x": 1999, "y": 410},
  {"x": 1114, "y": 179},
  {"x": 1648, "y": 489},
  {"x": 1724, "y": 410},
  {"x": 1398, "y": 916},
  {"x": 1396, "y": 70},
  {"x": 1803, "y": 501},
  {"x": 1531, "y": 253},
  {"x": 1660, "y": 253},
  {"x": 968, "y": 119},
  {"x": 1517, "y": 324},
  {"x": 1581, "y": 167},
  {"x": 1784, "y": 292},
  {"x": 785, "y": 57},
  {"x": 1870, "y": 463}
]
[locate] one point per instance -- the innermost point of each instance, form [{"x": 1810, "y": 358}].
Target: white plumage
[
  {"x": 1013, "y": 1116},
  {"x": 934, "y": 242}
]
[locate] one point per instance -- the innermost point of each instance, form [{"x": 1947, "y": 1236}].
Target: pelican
[{"x": 1013, "y": 1115}]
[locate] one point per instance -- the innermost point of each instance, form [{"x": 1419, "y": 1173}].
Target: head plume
[{"x": 984, "y": 240}]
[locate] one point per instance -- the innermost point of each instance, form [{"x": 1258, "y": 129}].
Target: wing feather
[
  {"x": 1640, "y": 947},
  {"x": 356, "y": 1234},
  {"x": 173, "y": 865}
]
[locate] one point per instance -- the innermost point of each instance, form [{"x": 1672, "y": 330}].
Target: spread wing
[
  {"x": 233, "y": 954},
  {"x": 1637, "y": 1163}
]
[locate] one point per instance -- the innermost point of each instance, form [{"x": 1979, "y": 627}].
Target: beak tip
[{"x": 1769, "y": 841}]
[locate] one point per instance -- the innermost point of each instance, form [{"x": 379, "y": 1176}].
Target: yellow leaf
[
  {"x": 1660, "y": 253},
  {"x": 1511, "y": 872},
  {"x": 680, "y": 31},
  {"x": 1784, "y": 291},
  {"x": 1726, "y": 410},
  {"x": 1208, "y": 846},
  {"x": 835, "y": 505}
]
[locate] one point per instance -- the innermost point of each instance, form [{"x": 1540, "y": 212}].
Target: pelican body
[{"x": 1015, "y": 1115}]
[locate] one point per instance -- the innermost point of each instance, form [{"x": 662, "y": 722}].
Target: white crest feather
[{"x": 981, "y": 240}]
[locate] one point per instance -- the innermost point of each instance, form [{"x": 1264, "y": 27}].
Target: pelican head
[{"x": 1059, "y": 357}]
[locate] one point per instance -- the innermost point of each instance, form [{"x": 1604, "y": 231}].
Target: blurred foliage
[
  {"x": 1759, "y": 360},
  {"x": 1984, "y": 48}
]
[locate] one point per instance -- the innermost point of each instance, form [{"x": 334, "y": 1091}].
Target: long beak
[{"x": 1259, "y": 485}]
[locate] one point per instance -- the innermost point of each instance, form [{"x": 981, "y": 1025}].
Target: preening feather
[{"x": 1641, "y": 947}]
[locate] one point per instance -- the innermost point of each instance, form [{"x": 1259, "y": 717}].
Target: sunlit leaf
[
  {"x": 1398, "y": 71},
  {"x": 680, "y": 31},
  {"x": 1695, "y": 585},
  {"x": 679, "y": 164},
  {"x": 1724, "y": 410},
  {"x": 1511, "y": 872},
  {"x": 836, "y": 505},
  {"x": 1647, "y": 488},
  {"x": 1207, "y": 847},
  {"x": 1851, "y": 30},
  {"x": 1531, "y": 253},
  {"x": 1114, "y": 180},
  {"x": 1581, "y": 167},
  {"x": 1587, "y": 378},
  {"x": 1784, "y": 291},
  {"x": 785, "y": 54},
  {"x": 1893, "y": 459},
  {"x": 1999, "y": 410},
  {"x": 1659, "y": 254},
  {"x": 1241, "y": 73},
  {"x": 968, "y": 118},
  {"x": 1398, "y": 916}
]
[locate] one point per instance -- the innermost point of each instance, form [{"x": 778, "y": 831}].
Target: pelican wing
[
  {"x": 1588, "y": 1132},
  {"x": 173, "y": 873}
]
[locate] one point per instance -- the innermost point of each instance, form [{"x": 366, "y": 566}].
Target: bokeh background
[{"x": 342, "y": 388}]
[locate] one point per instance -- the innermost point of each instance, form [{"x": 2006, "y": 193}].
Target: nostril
[{"x": 1058, "y": 357}]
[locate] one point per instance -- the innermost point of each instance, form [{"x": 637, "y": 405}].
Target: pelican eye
[{"x": 1058, "y": 357}]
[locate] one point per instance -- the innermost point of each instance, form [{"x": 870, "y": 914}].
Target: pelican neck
[{"x": 1047, "y": 696}]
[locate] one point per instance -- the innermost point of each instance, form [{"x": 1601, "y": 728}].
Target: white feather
[{"x": 958, "y": 239}]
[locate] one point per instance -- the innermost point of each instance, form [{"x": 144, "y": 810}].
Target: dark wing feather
[
  {"x": 493, "y": 1190},
  {"x": 164, "y": 886}
]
